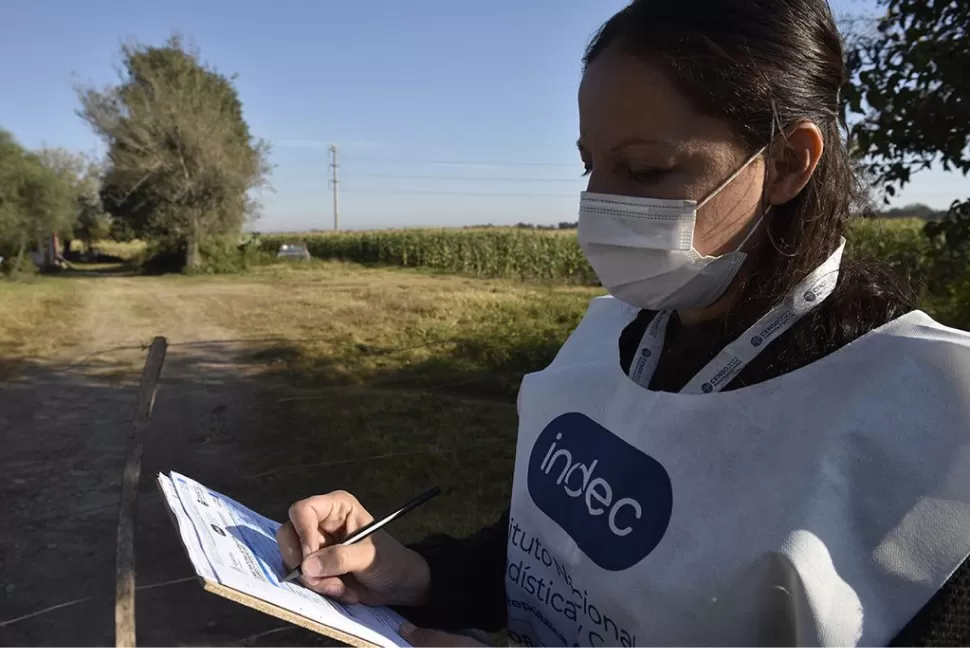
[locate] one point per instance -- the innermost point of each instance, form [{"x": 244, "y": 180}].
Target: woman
[{"x": 752, "y": 441}]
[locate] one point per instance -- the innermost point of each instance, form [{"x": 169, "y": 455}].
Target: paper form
[{"x": 236, "y": 547}]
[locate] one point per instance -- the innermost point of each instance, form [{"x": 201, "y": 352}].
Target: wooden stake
[{"x": 125, "y": 559}]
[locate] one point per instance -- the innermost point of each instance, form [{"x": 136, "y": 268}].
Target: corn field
[
  {"x": 506, "y": 253},
  {"x": 537, "y": 255}
]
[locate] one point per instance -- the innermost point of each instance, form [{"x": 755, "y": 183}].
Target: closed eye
[{"x": 647, "y": 176}]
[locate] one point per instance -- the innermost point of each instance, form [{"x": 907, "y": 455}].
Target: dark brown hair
[{"x": 762, "y": 65}]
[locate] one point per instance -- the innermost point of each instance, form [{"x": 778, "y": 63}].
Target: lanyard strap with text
[{"x": 808, "y": 294}]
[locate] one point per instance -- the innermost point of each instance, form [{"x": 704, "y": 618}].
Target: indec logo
[{"x": 611, "y": 498}]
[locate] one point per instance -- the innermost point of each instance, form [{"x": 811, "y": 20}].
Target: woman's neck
[{"x": 694, "y": 316}]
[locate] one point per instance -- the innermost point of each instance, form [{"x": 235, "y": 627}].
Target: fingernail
[
  {"x": 407, "y": 628},
  {"x": 306, "y": 550}
]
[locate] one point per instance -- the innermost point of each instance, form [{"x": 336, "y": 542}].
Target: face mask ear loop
[
  {"x": 754, "y": 228},
  {"x": 732, "y": 177}
]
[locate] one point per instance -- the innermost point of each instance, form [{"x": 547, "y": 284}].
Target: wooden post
[{"x": 125, "y": 558}]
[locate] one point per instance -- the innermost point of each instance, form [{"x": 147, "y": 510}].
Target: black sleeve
[
  {"x": 945, "y": 620},
  {"x": 630, "y": 337},
  {"x": 467, "y": 580}
]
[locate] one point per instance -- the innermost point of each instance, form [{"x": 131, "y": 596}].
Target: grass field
[
  {"x": 38, "y": 320},
  {"x": 423, "y": 367},
  {"x": 431, "y": 360},
  {"x": 284, "y": 382},
  {"x": 406, "y": 363}
]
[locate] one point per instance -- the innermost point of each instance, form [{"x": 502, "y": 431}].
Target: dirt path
[{"x": 65, "y": 429}]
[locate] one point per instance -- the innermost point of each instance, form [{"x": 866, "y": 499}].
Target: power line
[
  {"x": 474, "y": 178},
  {"x": 380, "y": 190},
  {"x": 413, "y": 161}
]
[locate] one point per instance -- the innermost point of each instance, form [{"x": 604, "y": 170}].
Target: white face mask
[{"x": 642, "y": 249}]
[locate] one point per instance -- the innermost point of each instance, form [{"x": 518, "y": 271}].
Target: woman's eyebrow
[
  {"x": 632, "y": 142},
  {"x": 643, "y": 140}
]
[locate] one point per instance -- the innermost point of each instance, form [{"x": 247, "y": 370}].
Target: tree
[
  {"x": 83, "y": 174},
  {"x": 35, "y": 201},
  {"x": 11, "y": 180},
  {"x": 93, "y": 224},
  {"x": 181, "y": 161},
  {"x": 910, "y": 98}
]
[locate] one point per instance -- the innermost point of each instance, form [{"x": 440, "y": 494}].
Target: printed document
[{"x": 232, "y": 546}]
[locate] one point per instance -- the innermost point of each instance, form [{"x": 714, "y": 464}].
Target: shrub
[
  {"x": 220, "y": 257},
  {"x": 900, "y": 244},
  {"x": 26, "y": 269}
]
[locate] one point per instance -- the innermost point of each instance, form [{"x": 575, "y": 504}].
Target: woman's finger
[
  {"x": 289, "y": 543},
  {"x": 341, "y": 589},
  {"x": 337, "y": 560},
  {"x": 347, "y": 590},
  {"x": 306, "y": 516},
  {"x": 336, "y": 514}
]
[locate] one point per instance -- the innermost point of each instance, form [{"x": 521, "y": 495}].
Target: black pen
[{"x": 368, "y": 529}]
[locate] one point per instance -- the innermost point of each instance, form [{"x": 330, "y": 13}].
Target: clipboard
[
  {"x": 284, "y": 615},
  {"x": 192, "y": 543}
]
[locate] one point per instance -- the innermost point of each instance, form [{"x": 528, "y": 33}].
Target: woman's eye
[{"x": 647, "y": 175}]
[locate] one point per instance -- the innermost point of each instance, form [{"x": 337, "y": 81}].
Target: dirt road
[{"x": 65, "y": 425}]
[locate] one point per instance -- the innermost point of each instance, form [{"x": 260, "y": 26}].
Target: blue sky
[{"x": 445, "y": 112}]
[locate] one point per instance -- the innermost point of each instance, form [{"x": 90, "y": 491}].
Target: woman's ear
[{"x": 792, "y": 160}]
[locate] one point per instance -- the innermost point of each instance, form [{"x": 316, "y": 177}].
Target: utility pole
[{"x": 333, "y": 184}]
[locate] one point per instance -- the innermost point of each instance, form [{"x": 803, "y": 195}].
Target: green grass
[
  {"x": 354, "y": 325},
  {"x": 398, "y": 378},
  {"x": 38, "y": 320},
  {"x": 412, "y": 375}
]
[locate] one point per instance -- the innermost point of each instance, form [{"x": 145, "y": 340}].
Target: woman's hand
[{"x": 377, "y": 570}]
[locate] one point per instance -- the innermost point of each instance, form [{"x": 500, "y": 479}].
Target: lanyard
[{"x": 726, "y": 365}]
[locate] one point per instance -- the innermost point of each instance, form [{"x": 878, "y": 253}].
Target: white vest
[{"x": 822, "y": 507}]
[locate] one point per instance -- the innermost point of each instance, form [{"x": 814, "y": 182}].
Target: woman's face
[{"x": 640, "y": 136}]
